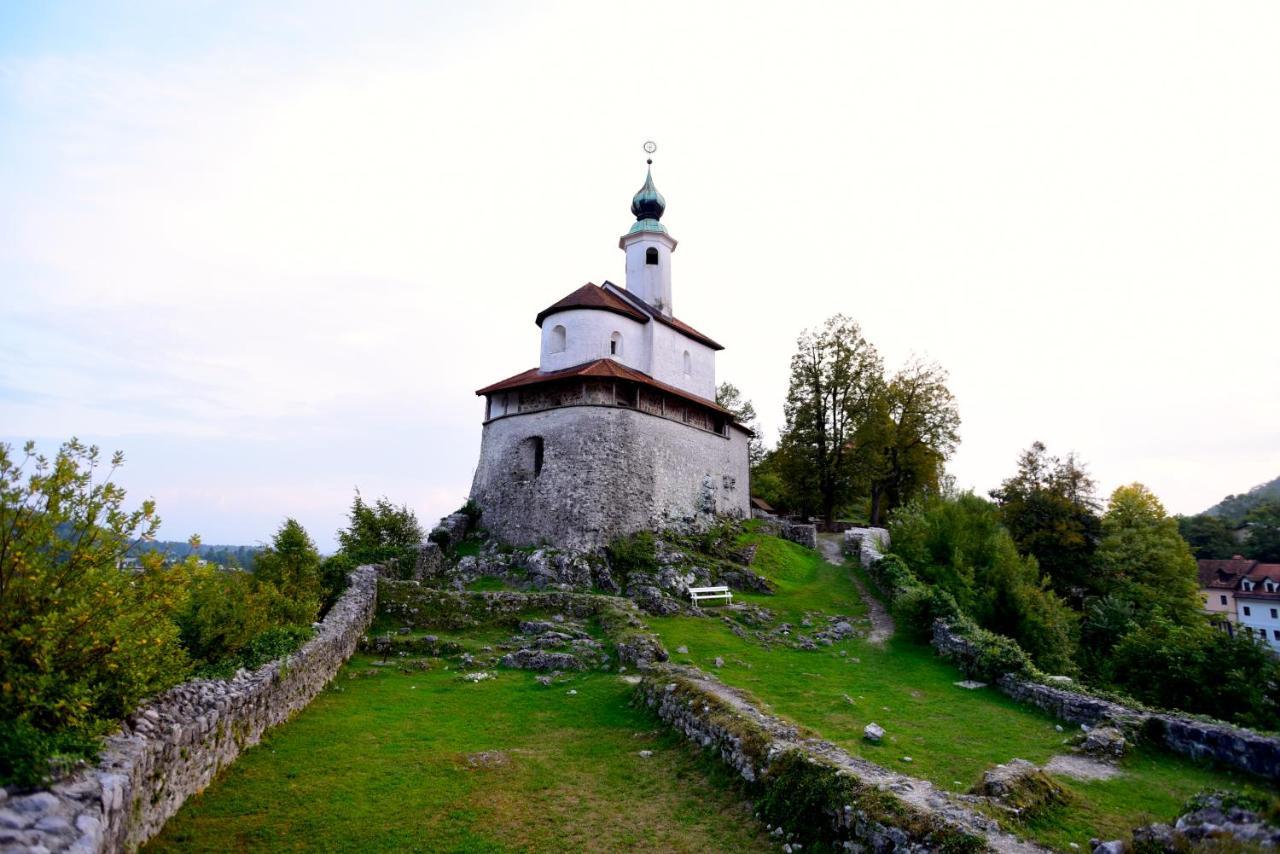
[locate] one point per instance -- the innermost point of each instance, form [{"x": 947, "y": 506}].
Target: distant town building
[{"x": 1243, "y": 595}]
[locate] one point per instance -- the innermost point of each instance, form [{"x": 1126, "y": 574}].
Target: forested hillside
[{"x": 1233, "y": 508}]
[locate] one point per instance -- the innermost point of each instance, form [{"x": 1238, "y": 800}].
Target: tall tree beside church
[
  {"x": 1051, "y": 511},
  {"x": 837, "y": 379},
  {"x": 744, "y": 412},
  {"x": 918, "y": 431}
]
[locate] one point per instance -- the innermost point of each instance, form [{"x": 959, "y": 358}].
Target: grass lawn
[
  {"x": 409, "y": 757},
  {"x": 952, "y": 735},
  {"x": 386, "y": 760}
]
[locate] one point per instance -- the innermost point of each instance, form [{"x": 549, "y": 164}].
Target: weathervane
[{"x": 650, "y": 147}]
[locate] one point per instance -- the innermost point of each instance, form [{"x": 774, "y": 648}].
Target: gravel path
[{"x": 882, "y": 627}]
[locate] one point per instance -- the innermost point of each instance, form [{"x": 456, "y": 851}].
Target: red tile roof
[
  {"x": 593, "y": 296},
  {"x": 667, "y": 320},
  {"x": 1224, "y": 574},
  {"x": 603, "y": 369}
]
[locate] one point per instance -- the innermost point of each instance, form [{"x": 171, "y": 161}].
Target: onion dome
[{"x": 648, "y": 205}]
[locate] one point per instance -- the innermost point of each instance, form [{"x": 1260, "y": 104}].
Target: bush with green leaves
[
  {"x": 227, "y": 613},
  {"x": 959, "y": 546},
  {"x": 633, "y": 553},
  {"x": 85, "y": 633},
  {"x": 381, "y": 533}
]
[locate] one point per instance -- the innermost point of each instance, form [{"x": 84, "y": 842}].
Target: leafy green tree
[
  {"x": 836, "y": 379},
  {"x": 958, "y": 545},
  {"x": 1143, "y": 560},
  {"x": 744, "y": 412},
  {"x": 1051, "y": 512},
  {"x": 291, "y": 565},
  {"x": 380, "y": 533},
  {"x": 1199, "y": 669},
  {"x": 85, "y": 632},
  {"x": 1209, "y": 537},
  {"x": 918, "y": 432},
  {"x": 1263, "y": 541}
]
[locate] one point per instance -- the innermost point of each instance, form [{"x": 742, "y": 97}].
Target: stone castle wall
[
  {"x": 176, "y": 744},
  {"x": 605, "y": 472}
]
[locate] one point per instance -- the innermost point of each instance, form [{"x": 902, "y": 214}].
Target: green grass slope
[
  {"x": 386, "y": 760},
  {"x": 951, "y": 734}
]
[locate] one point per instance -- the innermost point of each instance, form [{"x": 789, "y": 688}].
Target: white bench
[{"x": 700, "y": 593}]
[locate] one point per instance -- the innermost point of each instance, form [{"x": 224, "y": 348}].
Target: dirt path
[{"x": 882, "y": 627}]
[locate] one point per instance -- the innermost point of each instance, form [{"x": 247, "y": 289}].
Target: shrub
[
  {"x": 268, "y": 645},
  {"x": 291, "y": 568},
  {"x": 82, "y": 638},
  {"x": 634, "y": 553},
  {"x": 958, "y": 545},
  {"x": 382, "y": 533},
  {"x": 472, "y": 511},
  {"x": 29, "y": 756}
]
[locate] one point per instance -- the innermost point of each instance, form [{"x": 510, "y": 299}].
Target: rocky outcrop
[
  {"x": 426, "y": 607},
  {"x": 1215, "y": 821},
  {"x": 176, "y": 744},
  {"x": 1020, "y": 787}
]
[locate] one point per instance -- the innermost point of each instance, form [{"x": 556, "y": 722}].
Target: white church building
[{"x": 617, "y": 429}]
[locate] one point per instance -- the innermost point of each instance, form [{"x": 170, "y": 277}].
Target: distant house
[
  {"x": 1258, "y": 603},
  {"x": 1243, "y": 595},
  {"x": 1219, "y": 580}
]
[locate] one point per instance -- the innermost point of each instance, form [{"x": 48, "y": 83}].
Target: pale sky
[{"x": 270, "y": 250}]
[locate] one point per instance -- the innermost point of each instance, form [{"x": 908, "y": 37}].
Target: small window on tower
[
  {"x": 557, "y": 339},
  {"x": 688, "y": 363},
  {"x": 615, "y": 344},
  {"x": 529, "y": 457},
  {"x": 651, "y": 256}
]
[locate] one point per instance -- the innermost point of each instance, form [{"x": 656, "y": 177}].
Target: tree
[
  {"x": 1051, "y": 512},
  {"x": 919, "y": 430},
  {"x": 744, "y": 412},
  {"x": 291, "y": 565},
  {"x": 1210, "y": 537},
  {"x": 958, "y": 544},
  {"x": 1143, "y": 560},
  {"x": 836, "y": 377},
  {"x": 379, "y": 533},
  {"x": 1263, "y": 541},
  {"x": 85, "y": 633}
]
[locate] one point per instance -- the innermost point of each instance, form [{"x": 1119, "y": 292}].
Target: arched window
[
  {"x": 688, "y": 363},
  {"x": 651, "y": 255},
  {"x": 557, "y": 339},
  {"x": 615, "y": 344}
]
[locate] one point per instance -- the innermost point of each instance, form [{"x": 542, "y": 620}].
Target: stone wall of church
[{"x": 578, "y": 476}]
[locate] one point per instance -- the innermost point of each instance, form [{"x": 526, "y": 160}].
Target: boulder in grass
[
  {"x": 1020, "y": 787},
  {"x": 1104, "y": 741},
  {"x": 873, "y": 732}
]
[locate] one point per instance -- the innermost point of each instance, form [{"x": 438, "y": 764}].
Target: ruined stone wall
[
  {"x": 864, "y": 806},
  {"x": 176, "y": 744},
  {"x": 1200, "y": 739},
  {"x": 605, "y": 472}
]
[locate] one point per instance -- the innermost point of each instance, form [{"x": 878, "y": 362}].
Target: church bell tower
[{"x": 649, "y": 247}]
